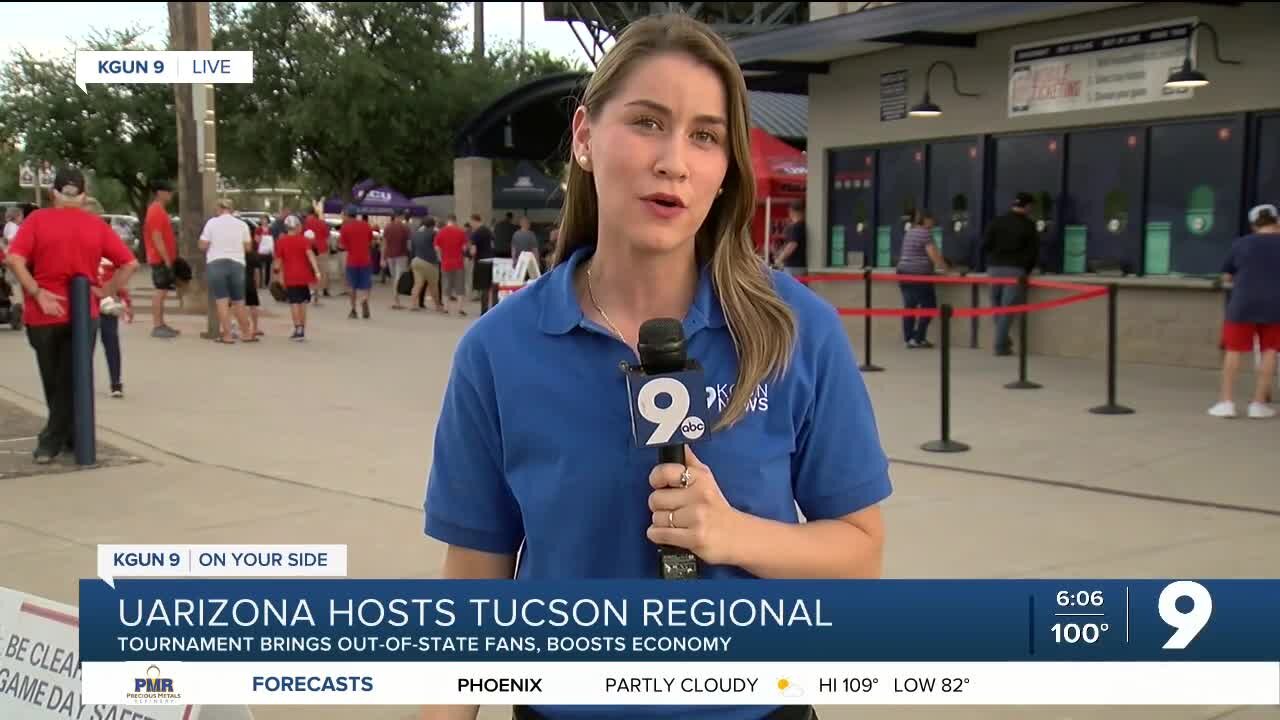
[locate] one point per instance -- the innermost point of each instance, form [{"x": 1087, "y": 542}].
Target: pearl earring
[{"x": 583, "y": 160}]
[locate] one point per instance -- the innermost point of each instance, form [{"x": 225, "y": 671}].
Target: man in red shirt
[
  {"x": 451, "y": 243},
  {"x": 357, "y": 237},
  {"x": 53, "y": 246},
  {"x": 162, "y": 250},
  {"x": 320, "y": 246}
]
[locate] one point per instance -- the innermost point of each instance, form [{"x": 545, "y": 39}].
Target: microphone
[{"x": 662, "y": 351}]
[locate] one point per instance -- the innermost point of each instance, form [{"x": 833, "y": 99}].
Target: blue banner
[{"x": 643, "y": 620}]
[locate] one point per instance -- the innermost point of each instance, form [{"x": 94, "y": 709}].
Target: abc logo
[{"x": 692, "y": 427}]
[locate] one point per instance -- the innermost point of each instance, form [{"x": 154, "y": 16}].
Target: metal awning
[
  {"x": 809, "y": 47},
  {"x": 532, "y": 121}
]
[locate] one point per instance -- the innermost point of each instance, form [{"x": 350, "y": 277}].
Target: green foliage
[
  {"x": 122, "y": 132},
  {"x": 342, "y": 91}
]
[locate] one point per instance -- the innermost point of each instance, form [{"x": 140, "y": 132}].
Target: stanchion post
[
  {"x": 973, "y": 321},
  {"x": 945, "y": 444},
  {"x": 867, "y": 365},
  {"x": 1112, "y": 407},
  {"x": 1022, "y": 383},
  {"x": 83, "y": 430}
]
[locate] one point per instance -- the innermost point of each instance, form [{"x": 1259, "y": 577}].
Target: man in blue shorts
[{"x": 357, "y": 239}]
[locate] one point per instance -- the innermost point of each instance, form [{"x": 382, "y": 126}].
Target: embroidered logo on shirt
[{"x": 718, "y": 397}]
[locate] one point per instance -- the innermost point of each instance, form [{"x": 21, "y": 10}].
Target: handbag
[
  {"x": 277, "y": 290},
  {"x": 181, "y": 270},
  {"x": 404, "y": 284}
]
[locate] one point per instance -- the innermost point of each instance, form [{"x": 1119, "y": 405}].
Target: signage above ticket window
[{"x": 1120, "y": 66}]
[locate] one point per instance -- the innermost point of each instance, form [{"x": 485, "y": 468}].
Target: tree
[
  {"x": 345, "y": 91},
  {"x": 124, "y": 132},
  {"x": 341, "y": 88}
]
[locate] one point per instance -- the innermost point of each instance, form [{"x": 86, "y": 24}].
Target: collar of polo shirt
[{"x": 561, "y": 311}]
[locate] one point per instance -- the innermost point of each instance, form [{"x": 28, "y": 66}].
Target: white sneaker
[
  {"x": 1259, "y": 411},
  {"x": 1224, "y": 409}
]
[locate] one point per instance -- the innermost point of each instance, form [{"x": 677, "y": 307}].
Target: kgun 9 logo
[{"x": 664, "y": 409}]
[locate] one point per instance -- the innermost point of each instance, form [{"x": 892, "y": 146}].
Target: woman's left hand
[{"x": 704, "y": 522}]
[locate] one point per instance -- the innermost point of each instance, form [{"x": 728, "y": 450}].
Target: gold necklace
[{"x": 591, "y": 294}]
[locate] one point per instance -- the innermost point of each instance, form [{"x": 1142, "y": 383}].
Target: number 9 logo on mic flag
[{"x": 667, "y": 409}]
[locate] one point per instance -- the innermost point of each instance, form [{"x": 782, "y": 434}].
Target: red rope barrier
[
  {"x": 948, "y": 280},
  {"x": 1029, "y": 308},
  {"x": 1082, "y": 291}
]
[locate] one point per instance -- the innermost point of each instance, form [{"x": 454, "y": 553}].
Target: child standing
[{"x": 298, "y": 270}]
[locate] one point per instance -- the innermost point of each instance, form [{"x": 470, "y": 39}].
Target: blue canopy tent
[{"x": 368, "y": 198}]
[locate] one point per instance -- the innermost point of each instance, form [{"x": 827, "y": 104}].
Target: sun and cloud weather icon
[{"x": 789, "y": 689}]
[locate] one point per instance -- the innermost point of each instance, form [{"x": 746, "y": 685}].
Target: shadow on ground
[{"x": 18, "y": 441}]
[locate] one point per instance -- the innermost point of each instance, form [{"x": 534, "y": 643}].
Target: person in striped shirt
[{"x": 920, "y": 256}]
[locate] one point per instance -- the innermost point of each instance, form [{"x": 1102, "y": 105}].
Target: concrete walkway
[{"x": 1047, "y": 491}]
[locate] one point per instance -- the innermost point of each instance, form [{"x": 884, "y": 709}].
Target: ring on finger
[
  {"x": 686, "y": 478},
  {"x": 671, "y": 518}
]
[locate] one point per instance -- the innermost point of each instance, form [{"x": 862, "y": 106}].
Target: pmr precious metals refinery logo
[{"x": 154, "y": 689}]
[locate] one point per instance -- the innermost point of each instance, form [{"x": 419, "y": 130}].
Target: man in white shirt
[
  {"x": 12, "y": 219},
  {"x": 225, "y": 239}
]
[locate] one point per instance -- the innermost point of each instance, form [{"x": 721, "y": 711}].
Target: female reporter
[{"x": 534, "y": 451}]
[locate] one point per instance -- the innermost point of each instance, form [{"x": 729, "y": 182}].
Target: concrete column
[{"x": 473, "y": 188}]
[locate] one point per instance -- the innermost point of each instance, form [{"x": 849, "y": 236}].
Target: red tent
[{"x": 781, "y": 176}]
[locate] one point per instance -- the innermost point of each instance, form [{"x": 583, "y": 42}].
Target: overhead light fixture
[
  {"x": 928, "y": 108},
  {"x": 1188, "y": 76}
]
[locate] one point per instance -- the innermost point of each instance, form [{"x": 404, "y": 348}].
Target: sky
[{"x": 47, "y": 29}]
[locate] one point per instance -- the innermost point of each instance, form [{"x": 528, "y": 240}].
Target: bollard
[
  {"x": 1022, "y": 383},
  {"x": 946, "y": 444},
  {"x": 1112, "y": 407},
  {"x": 867, "y": 365},
  {"x": 973, "y": 321},
  {"x": 82, "y": 331}
]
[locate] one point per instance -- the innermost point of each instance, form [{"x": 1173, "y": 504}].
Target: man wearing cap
[
  {"x": 1253, "y": 312},
  {"x": 162, "y": 250},
  {"x": 52, "y": 247},
  {"x": 1012, "y": 247}
]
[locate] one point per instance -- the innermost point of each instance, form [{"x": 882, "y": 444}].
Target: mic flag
[{"x": 667, "y": 408}]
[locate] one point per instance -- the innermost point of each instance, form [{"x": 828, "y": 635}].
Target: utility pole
[
  {"x": 522, "y": 32},
  {"x": 478, "y": 31},
  {"x": 190, "y": 29}
]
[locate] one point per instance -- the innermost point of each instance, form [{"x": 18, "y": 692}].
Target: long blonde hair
[{"x": 761, "y": 324}]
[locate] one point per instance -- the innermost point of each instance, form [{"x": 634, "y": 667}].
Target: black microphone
[{"x": 662, "y": 350}]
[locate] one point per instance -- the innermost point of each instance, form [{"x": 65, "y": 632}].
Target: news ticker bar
[{"x": 375, "y": 683}]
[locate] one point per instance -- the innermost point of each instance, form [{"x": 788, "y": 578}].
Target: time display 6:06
[{"x": 1080, "y": 598}]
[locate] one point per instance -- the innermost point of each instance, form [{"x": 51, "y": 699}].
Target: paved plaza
[{"x": 330, "y": 441}]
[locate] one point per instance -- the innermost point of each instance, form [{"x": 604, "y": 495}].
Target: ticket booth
[
  {"x": 955, "y": 198},
  {"x": 851, "y": 202},
  {"x": 901, "y": 179},
  {"x": 1102, "y": 209},
  {"x": 1033, "y": 164},
  {"x": 1193, "y": 190}
]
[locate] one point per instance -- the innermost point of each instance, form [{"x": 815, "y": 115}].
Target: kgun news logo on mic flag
[{"x": 667, "y": 409}]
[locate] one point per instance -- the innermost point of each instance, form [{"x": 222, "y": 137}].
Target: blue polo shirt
[
  {"x": 1254, "y": 265},
  {"x": 534, "y": 441}
]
